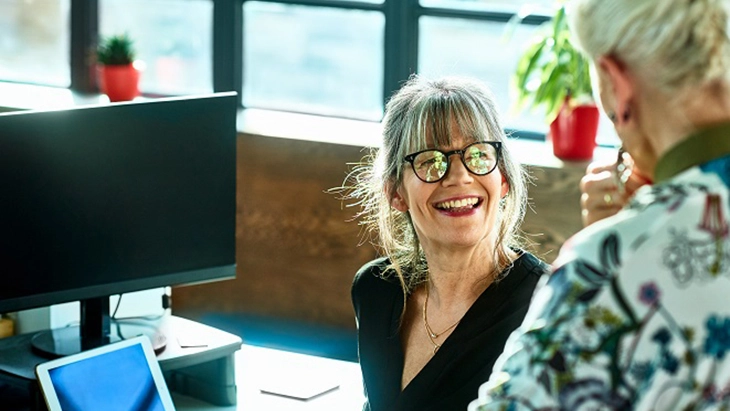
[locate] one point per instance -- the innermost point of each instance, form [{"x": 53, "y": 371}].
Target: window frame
[{"x": 400, "y": 49}]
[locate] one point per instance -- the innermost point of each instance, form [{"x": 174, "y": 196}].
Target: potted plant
[
  {"x": 117, "y": 71},
  {"x": 554, "y": 75}
]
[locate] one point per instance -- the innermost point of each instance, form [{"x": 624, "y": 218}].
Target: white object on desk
[
  {"x": 256, "y": 366},
  {"x": 298, "y": 384}
]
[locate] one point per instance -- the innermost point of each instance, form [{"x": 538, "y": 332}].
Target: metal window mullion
[
  {"x": 401, "y": 44},
  {"x": 484, "y": 15},
  {"x": 228, "y": 45},
  {"x": 339, "y": 4},
  {"x": 84, "y": 24}
]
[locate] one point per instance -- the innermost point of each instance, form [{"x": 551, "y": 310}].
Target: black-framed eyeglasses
[{"x": 432, "y": 165}]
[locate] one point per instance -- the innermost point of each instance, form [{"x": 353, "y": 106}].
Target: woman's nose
[{"x": 457, "y": 172}]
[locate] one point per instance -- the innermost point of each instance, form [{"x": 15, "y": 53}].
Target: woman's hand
[{"x": 603, "y": 195}]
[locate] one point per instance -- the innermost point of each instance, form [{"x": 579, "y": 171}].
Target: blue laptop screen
[{"x": 117, "y": 380}]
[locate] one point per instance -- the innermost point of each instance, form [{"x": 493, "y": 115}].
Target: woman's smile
[{"x": 459, "y": 206}]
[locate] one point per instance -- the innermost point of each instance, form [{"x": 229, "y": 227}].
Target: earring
[{"x": 612, "y": 116}]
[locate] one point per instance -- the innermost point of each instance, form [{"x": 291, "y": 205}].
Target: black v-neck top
[{"x": 451, "y": 379}]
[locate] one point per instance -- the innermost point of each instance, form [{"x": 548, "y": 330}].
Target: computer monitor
[{"x": 113, "y": 198}]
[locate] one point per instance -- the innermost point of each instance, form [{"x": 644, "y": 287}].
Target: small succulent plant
[{"x": 116, "y": 50}]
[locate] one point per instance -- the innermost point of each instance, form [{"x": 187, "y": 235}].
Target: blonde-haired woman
[
  {"x": 637, "y": 313},
  {"x": 445, "y": 197}
]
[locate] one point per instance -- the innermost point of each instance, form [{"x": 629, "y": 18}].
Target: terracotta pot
[
  {"x": 573, "y": 132},
  {"x": 120, "y": 83}
]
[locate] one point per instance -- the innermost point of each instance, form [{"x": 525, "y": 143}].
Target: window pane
[
  {"x": 174, "y": 38},
  {"x": 313, "y": 59},
  {"x": 34, "y": 41},
  {"x": 480, "y": 49}
]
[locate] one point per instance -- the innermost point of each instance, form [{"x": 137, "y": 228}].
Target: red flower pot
[
  {"x": 573, "y": 132},
  {"x": 120, "y": 83}
]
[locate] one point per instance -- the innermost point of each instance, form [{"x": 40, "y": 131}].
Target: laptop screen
[{"x": 115, "y": 377}]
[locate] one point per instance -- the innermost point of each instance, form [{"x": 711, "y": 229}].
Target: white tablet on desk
[
  {"x": 300, "y": 389},
  {"x": 119, "y": 376}
]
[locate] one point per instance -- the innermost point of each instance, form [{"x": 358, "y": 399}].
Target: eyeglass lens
[{"x": 432, "y": 165}]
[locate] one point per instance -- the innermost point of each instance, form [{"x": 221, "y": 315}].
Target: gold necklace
[{"x": 429, "y": 331}]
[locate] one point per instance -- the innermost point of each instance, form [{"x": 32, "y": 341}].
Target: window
[
  {"x": 172, "y": 37},
  {"x": 340, "y": 58},
  {"x": 34, "y": 41},
  {"x": 316, "y": 60}
]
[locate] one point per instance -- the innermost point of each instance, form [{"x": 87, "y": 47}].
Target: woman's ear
[
  {"x": 398, "y": 202},
  {"x": 621, "y": 86},
  {"x": 505, "y": 187}
]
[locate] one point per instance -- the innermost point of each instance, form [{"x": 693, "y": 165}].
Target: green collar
[{"x": 702, "y": 146}]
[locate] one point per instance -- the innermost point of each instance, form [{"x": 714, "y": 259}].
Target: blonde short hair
[
  {"x": 422, "y": 112},
  {"x": 674, "y": 44}
]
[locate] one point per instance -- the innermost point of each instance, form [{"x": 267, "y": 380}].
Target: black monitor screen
[{"x": 108, "y": 199}]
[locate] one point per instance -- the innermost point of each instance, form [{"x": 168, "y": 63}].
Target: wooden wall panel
[
  {"x": 555, "y": 208},
  {"x": 296, "y": 250}
]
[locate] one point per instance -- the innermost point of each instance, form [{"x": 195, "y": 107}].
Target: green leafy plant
[
  {"x": 116, "y": 50},
  {"x": 551, "y": 69}
]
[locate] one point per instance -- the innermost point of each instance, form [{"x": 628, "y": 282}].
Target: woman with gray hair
[
  {"x": 445, "y": 198},
  {"x": 636, "y": 314}
]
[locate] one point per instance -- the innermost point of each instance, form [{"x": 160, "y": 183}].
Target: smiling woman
[{"x": 445, "y": 198}]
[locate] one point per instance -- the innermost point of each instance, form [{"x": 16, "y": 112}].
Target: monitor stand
[
  {"x": 60, "y": 342},
  {"x": 97, "y": 328}
]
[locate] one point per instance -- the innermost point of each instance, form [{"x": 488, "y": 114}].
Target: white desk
[{"x": 257, "y": 367}]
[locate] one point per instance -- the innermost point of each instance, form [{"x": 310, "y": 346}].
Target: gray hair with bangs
[{"x": 422, "y": 114}]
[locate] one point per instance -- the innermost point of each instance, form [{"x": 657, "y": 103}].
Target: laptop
[{"x": 120, "y": 376}]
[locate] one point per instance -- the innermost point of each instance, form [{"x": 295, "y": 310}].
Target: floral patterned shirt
[{"x": 636, "y": 314}]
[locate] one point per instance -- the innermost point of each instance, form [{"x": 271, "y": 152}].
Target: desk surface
[{"x": 258, "y": 367}]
